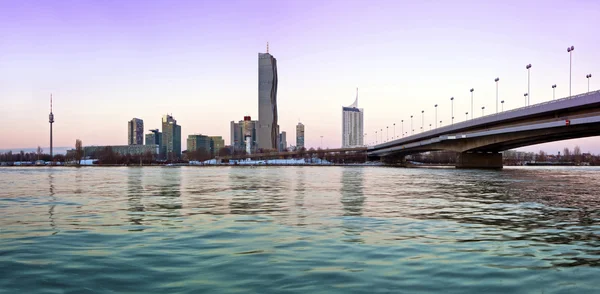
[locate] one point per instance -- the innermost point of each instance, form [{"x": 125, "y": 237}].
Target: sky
[{"x": 106, "y": 62}]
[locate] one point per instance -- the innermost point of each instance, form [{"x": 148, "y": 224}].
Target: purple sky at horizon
[{"x": 106, "y": 62}]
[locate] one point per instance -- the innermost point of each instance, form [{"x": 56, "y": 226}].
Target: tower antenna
[{"x": 51, "y": 121}]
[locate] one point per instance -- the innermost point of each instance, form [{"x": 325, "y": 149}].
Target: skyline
[{"x": 197, "y": 61}]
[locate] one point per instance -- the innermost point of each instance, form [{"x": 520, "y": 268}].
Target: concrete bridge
[{"x": 479, "y": 141}]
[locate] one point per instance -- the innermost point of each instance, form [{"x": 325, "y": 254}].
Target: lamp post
[
  {"x": 452, "y": 110},
  {"x": 381, "y": 132},
  {"x": 502, "y": 102},
  {"x": 435, "y": 116},
  {"x": 440, "y": 123},
  {"x": 496, "y": 80},
  {"x": 588, "y": 78},
  {"x": 526, "y": 94},
  {"x": 570, "y": 50},
  {"x": 411, "y": 125},
  {"x": 422, "y": 120},
  {"x": 528, "y": 67},
  {"x": 375, "y": 137},
  {"x": 553, "y": 91},
  {"x": 482, "y": 110},
  {"x": 472, "y": 102},
  {"x": 387, "y": 133},
  {"x": 430, "y": 127},
  {"x": 394, "y": 136},
  {"x": 466, "y": 116},
  {"x": 402, "y": 127}
]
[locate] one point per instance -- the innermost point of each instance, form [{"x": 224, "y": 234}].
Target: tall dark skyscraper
[
  {"x": 267, "y": 131},
  {"x": 171, "y": 138},
  {"x": 51, "y": 119},
  {"x": 135, "y": 128}
]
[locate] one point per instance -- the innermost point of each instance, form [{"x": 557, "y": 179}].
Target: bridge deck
[{"x": 582, "y": 101}]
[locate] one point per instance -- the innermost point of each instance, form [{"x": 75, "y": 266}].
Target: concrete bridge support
[{"x": 479, "y": 160}]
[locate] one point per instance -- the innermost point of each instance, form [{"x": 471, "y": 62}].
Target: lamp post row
[{"x": 526, "y": 95}]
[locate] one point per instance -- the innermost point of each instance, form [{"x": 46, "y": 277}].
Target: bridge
[{"x": 479, "y": 142}]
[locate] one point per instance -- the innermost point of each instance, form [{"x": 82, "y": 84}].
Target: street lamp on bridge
[
  {"x": 496, "y": 80},
  {"x": 411, "y": 125},
  {"x": 452, "y": 110},
  {"x": 472, "y": 102},
  {"x": 525, "y": 95},
  {"x": 402, "y": 121},
  {"x": 466, "y": 116},
  {"x": 570, "y": 50},
  {"x": 394, "y": 136},
  {"x": 422, "y": 120},
  {"x": 588, "y": 77},
  {"x": 435, "y": 116},
  {"x": 375, "y": 137},
  {"x": 502, "y": 102},
  {"x": 553, "y": 91},
  {"x": 482, "y": 110},
  {"x": 528, "y": 67},
  {"x": 387, "y": 133}
]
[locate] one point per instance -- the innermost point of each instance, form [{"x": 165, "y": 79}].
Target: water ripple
[{"x": 299, "y": 230}]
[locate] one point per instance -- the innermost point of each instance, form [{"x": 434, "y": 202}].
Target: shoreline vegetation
[{"x": 302, "y": 157}]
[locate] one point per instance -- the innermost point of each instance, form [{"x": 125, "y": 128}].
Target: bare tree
[
  {"x": 78, "y": 151},
  {"x": 577, "y": 154},
  {"x": 542, "y": 156},
  {"x": 39, "y": 152},
  {"x": 566, "y": 154}
]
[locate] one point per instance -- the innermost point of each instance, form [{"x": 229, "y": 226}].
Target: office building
[
  {"x": 244, "y": 135},
  {"x": 198, "y": 143},
  {"x": 135, "y": 128},
  {"x": 267, "y": 133},
  {"x": 352, "y": 125},
  {"x": 299, "y": 136},
  {"x": 154, "y": 138},
  {"x": 282, "y": 142},
  {"x": 171, "y": 138},
  {"x": 216, "y": 143}
]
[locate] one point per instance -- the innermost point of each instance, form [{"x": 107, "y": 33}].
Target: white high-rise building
[{"x": 352, "y": 125}]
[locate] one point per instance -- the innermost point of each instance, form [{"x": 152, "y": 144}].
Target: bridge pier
[{"x": 479, "y": 160}]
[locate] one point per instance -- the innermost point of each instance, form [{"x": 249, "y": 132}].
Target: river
[{"x": 299, "y": 230}]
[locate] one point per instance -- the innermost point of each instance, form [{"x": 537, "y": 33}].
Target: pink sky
[{"x": 109, "y": 61}]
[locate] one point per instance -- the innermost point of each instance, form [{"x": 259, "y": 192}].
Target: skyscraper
[
  {"x": 267, "y": 134},
  {"x": 299, "y": 136},
  {"x": 352, "y": 125},
  {"x": 171, "y": 138},
  {"x": 282, "y": 142},
  {"x": 154, "y": 138},
  {"x": 135, "y": 128},
  {"x": 243, "y": 135}
]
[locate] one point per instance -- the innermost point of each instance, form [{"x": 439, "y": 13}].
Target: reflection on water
[
  {"x": 135, "y": 193},
  {"x": 299, "y": 229}
]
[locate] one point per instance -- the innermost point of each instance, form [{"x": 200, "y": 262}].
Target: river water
[{"x": 299, "y": 230}]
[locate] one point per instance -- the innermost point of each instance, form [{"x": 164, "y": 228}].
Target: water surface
[{"x": 299, "y": 230}]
